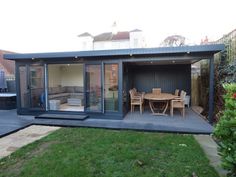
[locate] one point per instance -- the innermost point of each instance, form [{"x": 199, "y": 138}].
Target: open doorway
[
  {"x": 66, "y": 87},
  {"x": 145, "y": 76}
]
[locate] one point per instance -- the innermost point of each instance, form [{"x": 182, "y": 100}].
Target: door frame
[
  {"x": 102, "y": 86},
  {"x": 28, "y": 85},
  {"x": 47, "y": 85}
]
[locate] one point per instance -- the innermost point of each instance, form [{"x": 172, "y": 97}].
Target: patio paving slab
[
  {"x": 209, "y": 146},
  {"x": 14, "y": 141}
]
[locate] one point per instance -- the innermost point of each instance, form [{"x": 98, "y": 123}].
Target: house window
[{"x": 135, "y": 43}]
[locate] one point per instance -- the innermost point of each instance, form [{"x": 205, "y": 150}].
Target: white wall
[
  {"x": 121, "y": 44},
  {"x": 85, "y": 43},
  {"x": 137, "y": 39},
  {"x": 54, "y": 75},
  {"x": 72, "y": 75},
  {"x": 103, "y": 45},
  {"x": 65, "y": 75}
]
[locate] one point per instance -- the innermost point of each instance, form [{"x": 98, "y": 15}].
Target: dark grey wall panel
[{"x": 166, "y": 77}]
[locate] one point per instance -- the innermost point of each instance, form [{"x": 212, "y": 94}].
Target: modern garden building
[{"x": 97, "y": 83}]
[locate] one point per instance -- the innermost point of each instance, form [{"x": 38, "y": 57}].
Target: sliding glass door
[
  {"x": 94, "y": 94},
  {"x": 111, "y": 87},
  {"x": 32, "y": 87},
  {"x": 36, "y": 86},
  {"x": 24, "y": 87},
  {"x": 66, "y": 86}
]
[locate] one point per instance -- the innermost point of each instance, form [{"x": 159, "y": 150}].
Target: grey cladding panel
[{"x": 167, "y": 77}]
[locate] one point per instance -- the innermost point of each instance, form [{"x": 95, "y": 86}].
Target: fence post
[{"x": 211, "y": 90}]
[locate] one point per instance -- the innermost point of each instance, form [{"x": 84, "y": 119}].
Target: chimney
[{"x": 114, "y": 28}]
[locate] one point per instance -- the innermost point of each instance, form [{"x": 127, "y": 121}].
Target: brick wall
[{"x": 7, "y": 65}]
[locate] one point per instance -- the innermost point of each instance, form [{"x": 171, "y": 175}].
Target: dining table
[{"x": 162, "y": 100}]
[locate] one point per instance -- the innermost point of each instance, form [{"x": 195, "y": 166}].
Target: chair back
[
  {"x": 177, "y": 92},
  {"x": 182, "y": 94},
  {"x": 131, "y": 92},
  {"x": 156, "y": 91}
]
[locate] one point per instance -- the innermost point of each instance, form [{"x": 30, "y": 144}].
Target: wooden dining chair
[
  {"x": 136, "y": 93},
  {"x": 136, "y": 100},
  {"x": 176, "y": 92},
  {"x": 156, "y": 91},
  {"x": 178, "y": 103}
]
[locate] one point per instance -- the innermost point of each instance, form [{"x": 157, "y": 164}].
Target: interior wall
[
  {"x": 65, "y": 75},
  {"x": 54, "y": 75},
  {"x": 72, "y": 75},
  {"x": 166, "y": 77}
]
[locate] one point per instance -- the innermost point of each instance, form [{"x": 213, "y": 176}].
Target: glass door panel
[
  {"x": 94, "y": 88},
  {"x": 111, "y": 87},
  {"x": 36, "y": 86},
  {"x": 24, "y": 89}
]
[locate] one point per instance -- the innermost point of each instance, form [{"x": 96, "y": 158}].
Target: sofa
[{"x": 63, "y": 93}]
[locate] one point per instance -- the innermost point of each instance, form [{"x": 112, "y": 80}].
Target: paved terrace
[
  {"x": 192, "y": 123},
  {"x": 11, "y": 122}
]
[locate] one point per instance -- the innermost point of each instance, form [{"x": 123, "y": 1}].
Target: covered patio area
[
  {"x": 168, "y": 71},
  {"x": 192, "y": 123}
]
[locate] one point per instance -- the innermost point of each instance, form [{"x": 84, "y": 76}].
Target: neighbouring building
[
  {"x": 230, "y": 36},
  {"x": 7, "y": 73},
  {"x": 230, "y": 42},
  {"x": 112, "y": 40},
  {"x": 7, "y": 66}
]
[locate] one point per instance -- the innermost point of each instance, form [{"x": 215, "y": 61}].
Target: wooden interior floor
[{"x": 66, "y": 107}]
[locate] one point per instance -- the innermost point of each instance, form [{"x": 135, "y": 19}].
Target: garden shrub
[{"x": 225, "y": 131}]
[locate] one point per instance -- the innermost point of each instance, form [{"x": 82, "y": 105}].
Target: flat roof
[{"x": 197, "y": 49}]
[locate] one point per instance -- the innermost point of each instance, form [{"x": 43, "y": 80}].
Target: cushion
[
  {"x": 79, "y": 89},
  {"x": 70, "y": 89},
  {"x": 62, "y": 89},
  {"x": 54, "y": 90},
  {"x": 58, "y": 95}
]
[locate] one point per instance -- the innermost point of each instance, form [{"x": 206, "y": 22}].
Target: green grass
[{"x": 108, "y": 153}]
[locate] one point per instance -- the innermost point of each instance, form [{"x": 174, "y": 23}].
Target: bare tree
[{"x": 174, "y": 40}]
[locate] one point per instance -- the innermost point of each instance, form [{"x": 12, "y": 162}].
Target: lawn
[{"x": 91, "y": 152}]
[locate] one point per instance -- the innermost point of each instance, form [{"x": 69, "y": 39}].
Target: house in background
[
  {"x": 7, "y": 82},
  {"x": 112, "y": 40},
  {"x": 230, "y": 41},
  {"x": 7, "y": 69},
  {"x": 7, "y": 66}
]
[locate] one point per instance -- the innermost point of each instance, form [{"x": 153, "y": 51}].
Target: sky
[{"x": 28, "y": 26}]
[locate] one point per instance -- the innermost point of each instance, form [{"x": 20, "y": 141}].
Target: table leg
[
  {"x": 166, "y": 106},
  {"x": 152, "y": 107}
]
